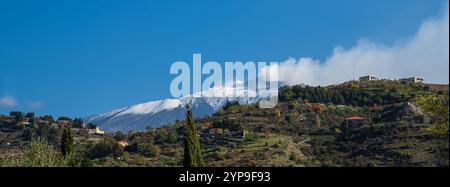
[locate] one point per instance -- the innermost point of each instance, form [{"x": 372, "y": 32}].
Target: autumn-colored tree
[
  {"x": 277, "y": 113},
  {"x": 437, "y": 108},
  {"x": 317, "y": 121}
]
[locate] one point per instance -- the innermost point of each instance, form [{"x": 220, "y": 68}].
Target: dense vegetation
[{"x": 368, "y": 93}]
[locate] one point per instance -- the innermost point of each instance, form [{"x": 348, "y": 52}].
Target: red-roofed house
[{"x": 355, "y": 122}]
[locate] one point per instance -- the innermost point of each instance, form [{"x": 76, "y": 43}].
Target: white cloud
[
  {"x": 7, "y": 102},
  {"x": 34, "y": 104},
  {"x": 426, "y": 54}
]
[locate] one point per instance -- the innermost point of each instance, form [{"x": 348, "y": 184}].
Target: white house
[
  {"x": 368, "y": 78},
  {"x": 413, "y": 80},
  {"x": 95, "y": 130}
]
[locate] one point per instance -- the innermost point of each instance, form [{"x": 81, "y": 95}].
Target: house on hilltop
[
  {"x": 368, "y": 78},
  {"x": 418, "y": 80}
]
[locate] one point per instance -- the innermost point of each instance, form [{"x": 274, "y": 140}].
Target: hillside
[{"x": 309, "y": 127}]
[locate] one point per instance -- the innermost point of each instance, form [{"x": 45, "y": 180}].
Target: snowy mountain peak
[
  {"x": 157, "y": 113},
  {"x": 152, "y": 107}
]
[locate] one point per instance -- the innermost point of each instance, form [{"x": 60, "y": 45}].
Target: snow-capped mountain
[{"x": 157, "y": 113}]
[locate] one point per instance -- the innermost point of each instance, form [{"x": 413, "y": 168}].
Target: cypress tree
[
  {"x": 192, "y": 149},
  {"x": 66, "y": 142}
]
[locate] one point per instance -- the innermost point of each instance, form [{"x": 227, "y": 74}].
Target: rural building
[
  {"x": 218, "y": 131},
  {"x": 355, "y": 122},
  {"x": 95, "y": 130},
  {"x": 413, "y": 80},
  {"x": 239, "y": 136},
  {"x": 26, "y": 123},
  {"x": 368, "y": 78},
  {"x": 55, "y": 125},
  {"x": 123, "y": 143}
]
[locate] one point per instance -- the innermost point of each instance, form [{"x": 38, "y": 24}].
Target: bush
[
  {"x": 103, "y": 149},
  {"x": 151, "y": 150},
  {"x": 87, "y": 163},
  {"x": 18, "y": 116},
  {"x": 230, "y": 105},
  {"x": 39, "y": 154},
  {"x": 172, "y": 138},
  {"x": 119, "y": 136}
]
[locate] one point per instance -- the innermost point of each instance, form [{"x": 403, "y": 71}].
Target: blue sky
[{"x": 78, "y": 58}]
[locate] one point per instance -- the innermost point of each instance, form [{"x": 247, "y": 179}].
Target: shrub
[
  {"x": 103, "y": 149},
  {"x": 39, "y": 154},
  {"x": 230, "y": 105},
  {"x": 151, "y": 150},
  {"x": 119, "y": 136},
  {"x": 87, "y": 163},
  {"x": 172, "y": 138}
]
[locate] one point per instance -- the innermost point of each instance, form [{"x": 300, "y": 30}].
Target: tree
[
  {"x": 43, "y": 131},
  {"x": 53, "y": 135},
  {"x": 104, "y": 148},
  {"x": 48, "y": 118},
  {"x": 131, "y": 134},
  {"x": 151, "y": 150},
  {"x": 64, "y": 118},
  {"x": 66, "y": 142},
  {"x": 172, "y": 137},
  {"x": 48, "y": 133},
  {"x": 78, "y": 123},
  {"x": 119, "y": 136},
  {"x": 287, "y": 95},
  {"x": 340, "y": 99},
  {"x": 30, "y": 115},
  {"x": 18, "y": 116},
  {"x": 192, "y": 149},
  {"x": 438, "y": 110},
  {"x": 34, "y": 123},
  {"x": 378, "y": 100},
  {"x": 27, "y": 134}
]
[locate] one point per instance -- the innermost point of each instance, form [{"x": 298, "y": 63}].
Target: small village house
[
  {"x": 418, "y": 80},
  {"x": 95, "y": 130},
  {"x": 354, "y": 122},
  {"x": 123, "y": 143},
  {"x": 239, "y": 136},
  {"x": 368, "y": 78},
  {"x": 216, "y": 131}
]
